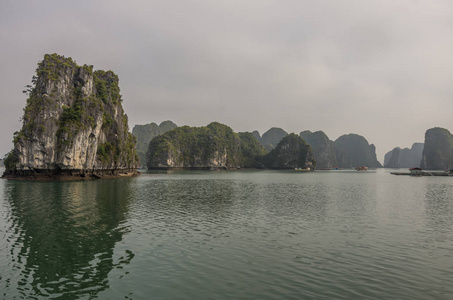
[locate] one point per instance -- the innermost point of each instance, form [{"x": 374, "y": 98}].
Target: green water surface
[{"x": 229, "y": 235}]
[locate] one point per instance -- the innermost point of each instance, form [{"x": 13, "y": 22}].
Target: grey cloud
[{"x": 368, "y": 67}]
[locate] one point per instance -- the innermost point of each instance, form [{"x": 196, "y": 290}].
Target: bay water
[{"x": 228, "y": 235}]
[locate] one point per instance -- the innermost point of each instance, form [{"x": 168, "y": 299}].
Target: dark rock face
[
  {"x": 353, "y": 151},
  {"x": 323, "y": 149},
  {"x": 418, "y": 148},
  {"x": 73, "y": 124},
  {"x": 1, "y": 162},
  {"x": 290, "y": 153},
  {"x": 394, "y": 159},
  {"x": 215, "y": 146},
  {"x": 272, "y": 137},
  {"x": 404, "y": 158},
  {"x": 438, "y": 151},
  {"x": 387, "y": 157},
  {"x": 251, "y": 151},
  {"x": 145, "y": 133}
]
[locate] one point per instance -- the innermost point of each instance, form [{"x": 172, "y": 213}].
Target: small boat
[{"x": 361, "y": 168}]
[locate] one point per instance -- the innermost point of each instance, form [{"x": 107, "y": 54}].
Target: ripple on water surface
[{"x": 229, "y": 235}]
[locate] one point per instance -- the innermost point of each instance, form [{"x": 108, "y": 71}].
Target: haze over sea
[{"x": 228, "y": 235}]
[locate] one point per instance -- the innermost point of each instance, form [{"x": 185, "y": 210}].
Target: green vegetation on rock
[
  {"x": 272, "y": 137},
  {"x": 213, "y": 146},
  {"x": 290, "y": 153},
  {"x": 145, "y": 133},
  {"x": 104, "y": 151},
  {"x": 217, "y": 146},
  {"x": 10, "y": 161},
  {"x": 53, "y": 65},
  {"x": 251, "y": 150},
  {"x": 65, "y": 104}
]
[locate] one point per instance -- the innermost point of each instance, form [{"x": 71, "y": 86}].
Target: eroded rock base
[{"x": 59, "y": 174}]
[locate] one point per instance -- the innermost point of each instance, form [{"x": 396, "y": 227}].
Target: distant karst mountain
[
  {"x": 271, "y": 138},
  {"x": 215, "y": 146},
  {"x": 438, "y": 150},
  {"x": 257, "y": 135},
  {"x": 73, "y": 124},
  {"x": 353, "y": 150},
  {"x": 292, "y": 152},
  {"x": 145, "y": 133},
  {"x": 404, "y": 158},
  {"x": 323, "y": 149}
]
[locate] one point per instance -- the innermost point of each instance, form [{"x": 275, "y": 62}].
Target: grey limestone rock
[
  {"x": 323, "y": 149},
  {"x": 404, "y": 158},
  {"x": 438, "y": 150},
  {"x": 353, "y": 151},
  {"x": 73, "y": 124}
]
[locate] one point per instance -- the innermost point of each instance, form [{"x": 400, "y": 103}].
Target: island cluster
[{"x": 74, "y": 125}]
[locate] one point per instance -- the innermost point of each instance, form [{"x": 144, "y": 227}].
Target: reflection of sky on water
[
  {"x": 439, "y": 208},
  {"x": 242, "y": 234}
]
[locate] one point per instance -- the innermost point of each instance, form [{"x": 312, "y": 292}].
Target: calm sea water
[{"x": 229, "y": 235}]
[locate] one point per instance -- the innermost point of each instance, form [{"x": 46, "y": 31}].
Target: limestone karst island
[
  {"x": 74, "y": 125},
  {"x": 216, "y": 146}
]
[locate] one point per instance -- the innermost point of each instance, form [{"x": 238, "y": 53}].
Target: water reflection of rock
[{"x": 63, "y": 236}]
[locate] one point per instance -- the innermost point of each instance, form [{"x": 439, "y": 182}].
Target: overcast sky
[{"x": 381, "y": 69}]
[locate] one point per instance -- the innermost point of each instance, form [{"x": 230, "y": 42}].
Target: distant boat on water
[{"x": 361, "y": 168}]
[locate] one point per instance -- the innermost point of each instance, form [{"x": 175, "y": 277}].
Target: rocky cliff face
[
  {"x": 145, "y": 133},
  {"x": 323, "y": 149},
  {"x": 215, "y": 146},
  {"x": 387, "y": 157},
  {"x": 353, "y": 150},
  {"x": 73, "y": 124},
  {"x": 290, "y": 153},
  {"x": 394, "y": 158},
  {"x": 404, "y": 158},
  {"x": 272, "y": 137},
  {"x": 438, "y": 151}
]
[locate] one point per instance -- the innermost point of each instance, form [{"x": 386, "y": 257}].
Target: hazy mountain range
[{"x": 348, "y": 151}]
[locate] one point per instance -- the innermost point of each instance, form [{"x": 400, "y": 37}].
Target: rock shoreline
[{"x": 46, "y": 175}]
